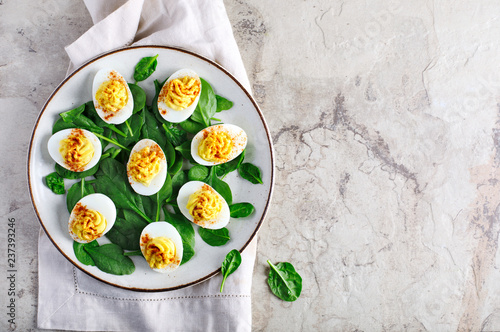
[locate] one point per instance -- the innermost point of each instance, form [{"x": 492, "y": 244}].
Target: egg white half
[
  {"x": 157, "y": 182},
  {"x": 121, "y": 115},
  {"x": 54, "y": 144},
  {"x": 238, "y": 136},
  {"x": 190, "y": 188},
  {"x": 163, "y": 228},
  {"x": 170, "y": 114},
  {"x": 100, "y": 203}
]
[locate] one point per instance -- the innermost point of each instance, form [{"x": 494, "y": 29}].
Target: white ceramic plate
[{"x": 76, "y": 90}]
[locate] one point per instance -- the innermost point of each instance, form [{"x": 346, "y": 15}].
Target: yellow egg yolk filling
[
  {"x": 216, "y": 146},
  {"x": 181, "y": 92},
  {"x": 76, "y": 150},
  {"x": 145, "y": 164},
  {"x": 112, "y": 95},
  {"x": 204, "y": 204},
  {"x": 160, "y": 252},
  {"x": 87, "y": 224}
]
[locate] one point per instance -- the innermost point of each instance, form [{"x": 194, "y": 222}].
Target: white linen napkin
[{"x": 71, "y": 300}]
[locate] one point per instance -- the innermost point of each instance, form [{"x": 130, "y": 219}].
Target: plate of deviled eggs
[{"x": 122, "y": 151}]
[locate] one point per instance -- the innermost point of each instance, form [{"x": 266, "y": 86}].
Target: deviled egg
[
  {"x": 203, "y": 205},
  {"x": 161, "y": 246},
  {"x": 147, "y": 167},
  {"x": 218, "y": 144},
  {"x": 112, "y": 97},
  {"x": 179, "y": 95},
  {"x": 75, "y": 149},
  {"x": 92, "y": 217}
]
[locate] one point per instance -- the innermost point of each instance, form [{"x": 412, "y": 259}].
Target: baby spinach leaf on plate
[
  {"x": 198, "y": 173},
  {"x": 178, "y": 180},
  {"x": 154, "y": 104},
  {"x": 241, "y": 210},
  {"x": 112, "y": 152},
  {"x": 126, "y": 231},
  {"x": 76, "y": 192},
  {"x": 112, "y": 181},
  {"x": 230, "y": 264},
  {"x": 91, "y": 113},
  {"x": 145, "y": 67},
  {"x": 223, "y": 104},
  {"x": 139, "y": 96},
  {"x": 224, "y": 169},
  {"x": 67, "y": 174},
  {"x": 81, "y": 121},
  {"x": 161, "y": 197},
  {"x": 71, "y": 115},
  {"x": 151, "y": 128},
  {"x": 55, "y": 183},
  {"x": 207, "y": 105},
  {"x": 178, "y": 163},
  {"x": 169, "y": 153},
  {"x": 220, "y": 186},
  {"x": 109, "y": 258},
  {"x": 250, "y": 172},
  {"x": 214, "y": 237},
  {"x": 174, "y": 135},
  {"x": 132, "y": 129},
  {"x": 185, "y": 149},
  {"x": 191, "y": 126},
  {"x": 81, "y": 254},
  {"x": 284, "y": 281},
  {"x": 186, "y": 231}
]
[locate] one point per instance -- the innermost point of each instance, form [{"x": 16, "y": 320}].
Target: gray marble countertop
[{"x": 385, "y": 119}]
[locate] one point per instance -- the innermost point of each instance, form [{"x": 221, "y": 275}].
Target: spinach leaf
[
  {"x": 161, "y": 197},
  {"x": 81, "y": 254},
  {"x": 186, "y": 231},
  {"x": 61, "y": 125},
  {"x": 91, "y": 113},
  {"x": 84, "y": 122},
  {"x": 112, "y": 181},
  {"x": 132, "y": 127},
  {"x": 198, "y": 173},
  {"x": 145, "y": 67},
  {"x": 214, "y": 237},
  {"x": 71, "y": 115},
  {"x": 223, "y": 104},
  {"x": 207, "y": 105},
  {"x": 139, "y": 96},
  {"x": 230, "y": 264},
  {"x": 224, "y": 169},
  {"x": 77, "y": 191},
  {"x": 151, "y": 128},
  {"x": 126, "y": 231},
  {"x": 80, "y": 121},
  {"x": 169, "y": 153},
  {"x": 284, "y": 281},
  {"x": 55, "y": 183},
  {"x": 109, "y": 258},
  {"x": 178, "y": 180},
  {"x": 191, "y": 126},
  {"x": 154, "y": 105},
  {"x": 112, "y": 152},
  {"x": 220, "y": 186},
  {"x": 177, "y": 166},
  {"x": 175, "y": 135},
  {"x": 250, "y": 172},
  {"x": 241, "y": 210},
  {"x": 185, "y": 149},
  {"x": 67, "y": 174}
]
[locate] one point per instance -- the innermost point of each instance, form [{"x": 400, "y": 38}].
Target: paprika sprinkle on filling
[{"x": 77, "y": 150}]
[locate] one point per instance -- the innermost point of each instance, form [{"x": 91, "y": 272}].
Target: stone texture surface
[{"x": 385, "y": 118}]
